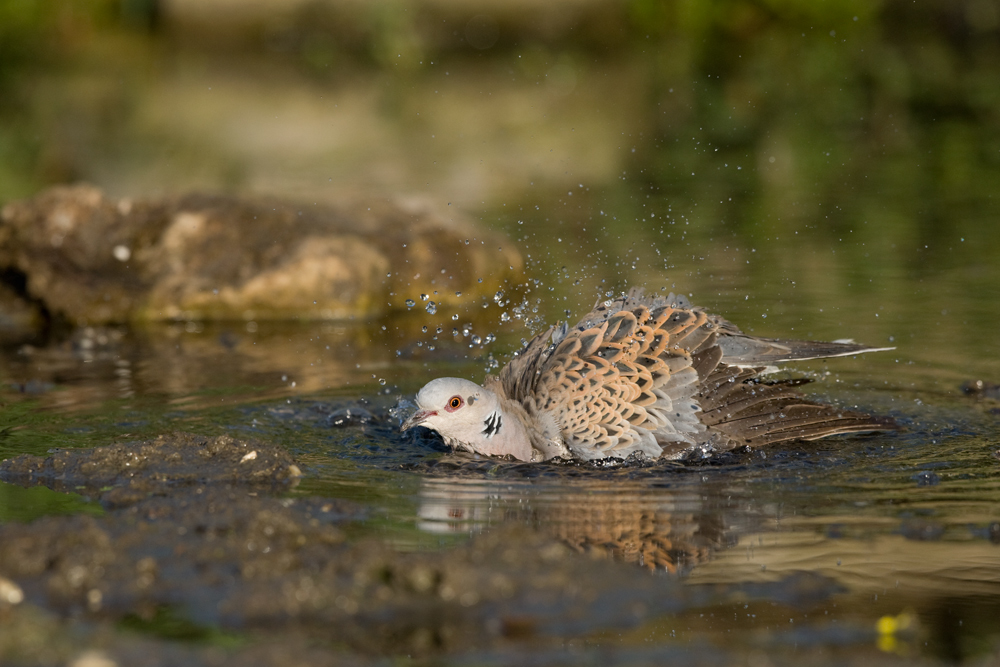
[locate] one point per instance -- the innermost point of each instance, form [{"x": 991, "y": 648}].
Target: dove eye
[{"x": 454, "y": 403}]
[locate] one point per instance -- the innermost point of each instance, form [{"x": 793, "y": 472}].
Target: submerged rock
[
  {"x": 124, "y": 473},
  {"x": 92, "y": 259},
  {"x": 982, "y": 390}
]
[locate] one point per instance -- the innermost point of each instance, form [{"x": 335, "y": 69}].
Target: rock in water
[
  {"x": 647, "y": 376},
  {"x": 93, "y": 260}
]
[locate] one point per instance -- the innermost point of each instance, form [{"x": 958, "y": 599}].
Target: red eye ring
[{"x": 454, "y": 403}]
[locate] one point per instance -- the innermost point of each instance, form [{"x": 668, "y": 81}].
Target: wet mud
[
  {"x": 202, "y": 531},
  {"x": 125, "y": 473}
]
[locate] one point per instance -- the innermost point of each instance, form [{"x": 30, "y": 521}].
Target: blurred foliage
[
  {"x": 808, "y": 94},
  {"x": 38, "y": 36},
  {"x": 870, "y": 130},
  {"x": 758, "y": 111}
]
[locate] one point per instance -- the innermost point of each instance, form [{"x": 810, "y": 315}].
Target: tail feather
[
  {"x": 755, "y": 413},
  {"x": 742, "y": 350}
]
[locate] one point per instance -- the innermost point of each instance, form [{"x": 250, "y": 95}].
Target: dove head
[{"x": 469, "y": 417}]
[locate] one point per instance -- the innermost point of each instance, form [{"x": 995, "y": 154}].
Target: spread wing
[
  {"x": 626, "y": 384},
  {"x": 518, "y": 377},
  {"x": 738, "y": 348},
  {"x": 656, "y": 376}
]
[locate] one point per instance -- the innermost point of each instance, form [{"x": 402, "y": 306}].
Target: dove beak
[{"x": 417, "y": 418}]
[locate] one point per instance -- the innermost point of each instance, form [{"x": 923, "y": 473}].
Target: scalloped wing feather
[
  {"x": 626, "y": 383},
  {"x": 657, "y": 376}
]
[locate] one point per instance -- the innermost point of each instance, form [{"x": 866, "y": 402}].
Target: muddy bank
[
  {"x": 126, "y": 473},
  {"x": 80, "y": 255},
  {"x": 197, "y": 529}
]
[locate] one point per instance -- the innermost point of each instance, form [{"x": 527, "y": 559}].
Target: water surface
[{"x": 830, "y": 173}]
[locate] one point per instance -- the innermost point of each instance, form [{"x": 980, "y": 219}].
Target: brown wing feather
[
  {"x": 657, "y": 376},
  {"x": 616, "y": 387},
  {"x": 518, "y": 377},
  {"x": 754, "y": 413},
  {"x": 739, "y": 349}
]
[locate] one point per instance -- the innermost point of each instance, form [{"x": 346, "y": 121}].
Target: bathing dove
[{"x": 641, "y": 375}]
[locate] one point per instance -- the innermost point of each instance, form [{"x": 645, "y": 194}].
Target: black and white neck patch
[{"x": 492, "y": 425}]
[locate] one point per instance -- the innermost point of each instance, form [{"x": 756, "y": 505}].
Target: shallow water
[
  {"x": 900, "y": 528},
  {"x": 800, "y": 186}
]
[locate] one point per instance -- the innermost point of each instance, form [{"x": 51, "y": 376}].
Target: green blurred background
[
  {"x": 811, "y": 98},
  {"x": 831, "y": 164}
]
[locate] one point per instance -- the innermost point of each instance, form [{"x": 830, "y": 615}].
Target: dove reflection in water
[
  {"x": 649, "y": 377},
  {"x": 671, "y": 529}
]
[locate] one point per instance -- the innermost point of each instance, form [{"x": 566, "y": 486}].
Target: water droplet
[
  {"x": 424, "y": 297},
  {"x": 431, "y": 307},
  {"x": 458, "y": 294},
  {"x": 410, "y": 303},
  {"x": 381, "y": 381},
  {"x": 498, "y": 297},
  {"x": 455, "y": 316},
  {"x": 476, "y": 340}
]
